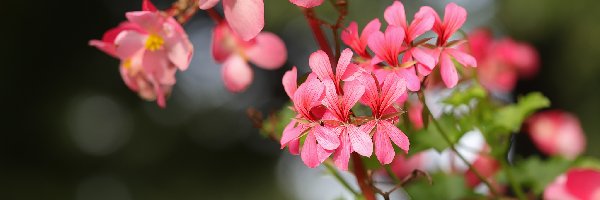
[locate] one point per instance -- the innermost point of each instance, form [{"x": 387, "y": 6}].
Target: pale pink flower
[
  {"x": 556, "y": 132},
  {"x": 246, "y": 17},
  {"x": 358, "y": 43},
  {"x": 422, "y": 22},
  {"x": 151, "y": 47},
  {"x": 266, "y": 51},
  {"x": 454, "y": 18},
  {"x": 575, "y": 184},
  {"x": 307, "y": 3},
  {"x": 380, "y": 95},
  {"x": 486, "y": 166}
]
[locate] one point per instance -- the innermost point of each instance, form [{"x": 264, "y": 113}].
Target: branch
[
  {"x": 362, "y": 178},
  {"x": 315, "y": 25}
]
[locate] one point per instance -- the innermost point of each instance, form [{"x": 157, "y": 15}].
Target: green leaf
[
  {"x": 276, "y": 122},
  {"x": 464, "y": 97},
  {"x": 536, "y": 174},
  {"x": 509, "y": 118},
  {"x": 444, "y": 186},
  {"x": 587, "y": 162},
  {"x": 430, "y": 137}
]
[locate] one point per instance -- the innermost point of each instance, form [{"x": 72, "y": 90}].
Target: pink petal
[
  {"x": 148, "y": 6},
  {"x": 157, "y": 64},
  {"x": 422, "y": 23},
  {"x": 307, "y": 3},
  {"x": 220, "y": 50},
  {"x": 107, "y": 48},
  {"x": 307, "y": 96},
  {"x": 331, "y": 100},
  {"x": 246, "y": 17},
  {"x": 342, "y": 154},
  {"x": 437, "y": 25},
  {"x": 557, "y": 190},
  {"x": 393, "y": 38},
  {"x": 309, "y": 153},
  {"x": 326, "y": 137},
  {"x": 454, "y": 17},
  {"x": 395, "y": 15},
  {"x": 372, "y": 27},
  {"x": 149, "y": 21},
  {"x": 179, "y": 47},
  {"x": 290, "y": 82},
  {"x": 294, "y": 146},
  {"x": 383, "y": 147},
  {"x": 448, "y": 71},
  {"x": 207, "y": 4},
  {"x": 395, "y": 134},
  {"x": 350, "y": 37},
  {"x": 268, "y": 52},
  {"x": 342, "y": 65},
  {"x": 129, "y": 43},
  {"x": 584, "y": 183},
  {"x": 413, "y": 83},
  {"x": 377, "y": 45},
  {"x": 291, "y": 132},
  {"x": 361, "y": 141},
  {"x": 423, "y": 57},
  {"x": 393, "y": 87},
  {"x": 320, "y": 65},
  {"x": 237, "y": 74},
  {"x": 462, "y": 57},
  {"x": 353, "y": 91}
]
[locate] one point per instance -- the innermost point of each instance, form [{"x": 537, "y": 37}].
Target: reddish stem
[
  {"x": 315, "y": 25},
  {"x": 213, "y": 14},
  {"x": 361, "y": 177}
]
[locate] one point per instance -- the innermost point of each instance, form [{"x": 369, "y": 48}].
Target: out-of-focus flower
[
  {"x": 454, "y": 18},
  {"x": 246, "y": 17},
  {"x": 358, "y": 43},
  {"x": 151, "y": 47},
  {"x": 486, "y": 166},
  {"x": 379, "y": 96},
  {"x": 575, "y": 184},
  {"x": 415, "y": 114},
  {"x": 557, "y": 132},
  {"x": 266, "y": 50},
  {"x": 307, "y": 3}
]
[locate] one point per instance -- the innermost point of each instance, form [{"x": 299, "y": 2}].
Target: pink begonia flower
[
  {"x": 422, "y": 22},
  {"x": 415, "y": 114},
  {"x": 454, "y": 17},
  {"x": 151, "y": 47},
  {"x": 379, "y": 96},
  {"x": 387, "y": 48},
  {"x": 575, "y": 184},
  {"x": 556, "y": 132},
  {"x": 307, "y": 3},
  {"x": 320, "y": 141},
  {"x": 246, "y": 17},
  {"x": 358, "y": 43},
  {"x": 266, "y": 51}
]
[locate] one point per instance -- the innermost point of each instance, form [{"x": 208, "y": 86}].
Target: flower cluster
[{"x": 399, "y": 64}]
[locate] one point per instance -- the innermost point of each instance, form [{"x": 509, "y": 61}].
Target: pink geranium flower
[
  {"x": 380, "y": 95},
  {"x": 422, "y": 22},
  {"x": 266, "y": 50},
  {"x": 307, "y": 3},
  {"x": 575, "y": 184},
  {"x": 358, "y": 43},
  {"x": 151, "y": 47},
  {"x": 246, "y": 17},
  {"x": 556, "y": 132},
  {"x": 454, "y": 17}
]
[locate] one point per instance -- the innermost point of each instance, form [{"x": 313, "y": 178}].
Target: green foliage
[
  {"x": 274, "y": 124},
  {"x": 464, "y": 97},
  {"x": 509, "y": 118},
  {"x": 587, "y": 162},
  {"x": 444, "y": 186},
  {"x": 430, "y": 137},
  {"x": 535, "y": 173}
]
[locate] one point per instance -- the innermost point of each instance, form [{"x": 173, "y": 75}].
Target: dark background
[{"x": 72, "y": 130}]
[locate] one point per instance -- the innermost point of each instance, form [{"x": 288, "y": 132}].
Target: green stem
[
  {"x": 339, "y": 178},
  {"x": 449, "y": 141},
  {"x": 392, "y": 174},
  {"x": 516, "y": 187}
]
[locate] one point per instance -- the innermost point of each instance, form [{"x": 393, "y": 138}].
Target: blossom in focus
[
  {"x": 151, "y": 47},
  {"x": 358, "y": 43},
  {"x": 307, "y": 3},
  {"x": 379, "y": 96},
  {"x": 246, "y": 17},
  {"x": 575, "y": 184},
  {"x": 557, "y": 132},
  {"x": 454, "y": 17},
  {"x": 266, "y": 51}
]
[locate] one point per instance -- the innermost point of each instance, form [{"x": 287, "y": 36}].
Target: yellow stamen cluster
[{"x": 154, "y": 42}]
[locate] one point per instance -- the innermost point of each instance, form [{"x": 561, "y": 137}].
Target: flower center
[{"x": 154, "y": 42}]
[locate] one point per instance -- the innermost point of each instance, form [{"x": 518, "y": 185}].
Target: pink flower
[
  {"x": 403, "y": 166},
  {"x": 575, "y": 184},
  {"x": 358, "y": 43},
  {"x": 379, "y": 96},
  {"x": 454, "y": 18},
  {"x": 486, "y": 166},
  {"x": 151, "y": 47},
  {"x": 345, "y": 70},
  {"x": 267, "y": 51},
  {"x": 246, "y": 17},
  {"x": 423, "y": 22},
  {"x": 557, "y": 133},
  {"x": 415, "y": 114},
  {"x": 307, "y": 3}
]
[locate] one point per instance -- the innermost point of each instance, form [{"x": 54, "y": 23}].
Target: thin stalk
[
  {"x": 449, "y": 141},
  {"x": 361, "y": 177},
  {"x": 315, "y": 26},
  {"x": 392, "y": 174},
  {"x": 516, "y": 187},
  {"x": 339, "y": 178}
]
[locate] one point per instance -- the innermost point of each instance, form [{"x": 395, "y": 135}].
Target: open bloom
[
  {"x": 267, "y": 51},
  {"x": 151, "y": 47},
  {"x": 454, "y": 18},
  {"x": 307, "y": 3},
  {"x": 358, "y": 43},
  {"x": 422, "y": 22},
  {"x": 379, "y": 96},
  {"x": 246, "y": 17},
  {"x": 556, "y": 132},
  {"x": 575, "y": 184}
]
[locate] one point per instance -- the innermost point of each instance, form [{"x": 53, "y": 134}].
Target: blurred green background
[{"x": 73, "y": 130}]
